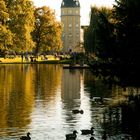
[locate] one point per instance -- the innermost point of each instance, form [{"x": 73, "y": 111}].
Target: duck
[
  {"x": 76, "y": 111},
  {"x": 71, "y": 136},
  {"x": 92, "y": 138},
  {"x": 87, "y": 131},
  {"x": 98, "y": 100},
  {"x": 26, "y": 137}
]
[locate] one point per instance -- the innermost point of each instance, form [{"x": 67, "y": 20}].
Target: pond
[{"x": 39, "y": 98}]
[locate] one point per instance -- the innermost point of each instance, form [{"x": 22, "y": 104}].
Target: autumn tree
[
  {"x": 21, "y": 23},
  {"x": 5, "y": 33},
  {"x": 47, "y": 32}
]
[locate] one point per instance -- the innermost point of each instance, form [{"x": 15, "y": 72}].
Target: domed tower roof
[{"x": 70, "y": 3}]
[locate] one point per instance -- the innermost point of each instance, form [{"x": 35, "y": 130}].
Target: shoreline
[
  {"x": 50, "y": 60},
  {"x": 38, "y": 62}
]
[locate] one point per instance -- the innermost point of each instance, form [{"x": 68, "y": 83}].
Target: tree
[
  {"x": 105, "y": 35},
  {"x": 100, "y": 37},
  {"x": 126, "y": 15},
  {"x": 5, "y": 33},
  {"x": 47, "y": 32},
  {"x": 21, "y": 23},
  {"x": 90, "y": 32},
  {"x": 115, "y": 40},
  {"x": 102, "y": 42}
]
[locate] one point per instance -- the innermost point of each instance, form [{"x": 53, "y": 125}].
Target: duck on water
[
  {"x": 71, "y": 136},
  {"x": 92, "y": 138},
  {"x": 76, "y": 111},
  {"x": 26, "y": 137},
  {"x": 87, "y": 131}
]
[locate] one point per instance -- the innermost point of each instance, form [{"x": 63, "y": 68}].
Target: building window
[
  {"x": 63, "y": 35},
  {"x": 77, "y": 25},
  {"x": 70, "y": 25},
  {"x": 77, "y": 12},
  {"x": 63, "y": 3},
  {"x": 70, "y": 35}
]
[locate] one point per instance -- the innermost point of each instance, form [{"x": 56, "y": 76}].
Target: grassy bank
[{"x": 51, "y": 59}]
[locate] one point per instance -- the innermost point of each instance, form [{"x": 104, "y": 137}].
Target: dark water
[{"x": 40, "y": 98}]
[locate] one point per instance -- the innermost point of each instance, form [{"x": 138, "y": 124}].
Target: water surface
[{"x": 39, "y": 98}]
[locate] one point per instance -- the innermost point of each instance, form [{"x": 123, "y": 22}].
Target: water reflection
[
  {"x": 40, "y": 99},
  {"x": 70, "y": 85}
]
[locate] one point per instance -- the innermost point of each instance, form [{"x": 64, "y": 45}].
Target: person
[
  {"x": 32, "y": 59},
  {"x": 22, "y": 57},
  {"x": 26, "y": 58}
]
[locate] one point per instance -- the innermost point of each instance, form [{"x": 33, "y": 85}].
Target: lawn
[{"x": 40, "y": 59}]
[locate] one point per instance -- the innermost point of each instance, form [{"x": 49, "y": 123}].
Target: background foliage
[{"x": 113, "y": 36}]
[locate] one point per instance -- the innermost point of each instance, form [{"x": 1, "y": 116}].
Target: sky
[{"x": 85, "y": 7}]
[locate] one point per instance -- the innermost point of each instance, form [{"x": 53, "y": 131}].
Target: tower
[{"x": 70, "y": 19}]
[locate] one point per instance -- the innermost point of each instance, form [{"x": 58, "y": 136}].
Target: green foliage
[
  {"x": 47, "y": 32},
  {"x": 126, "y": 14},
  {"x": 90, "y": 32},
  {"x": 113, "y": 35},
  {"x": 100, "y": 36}
]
